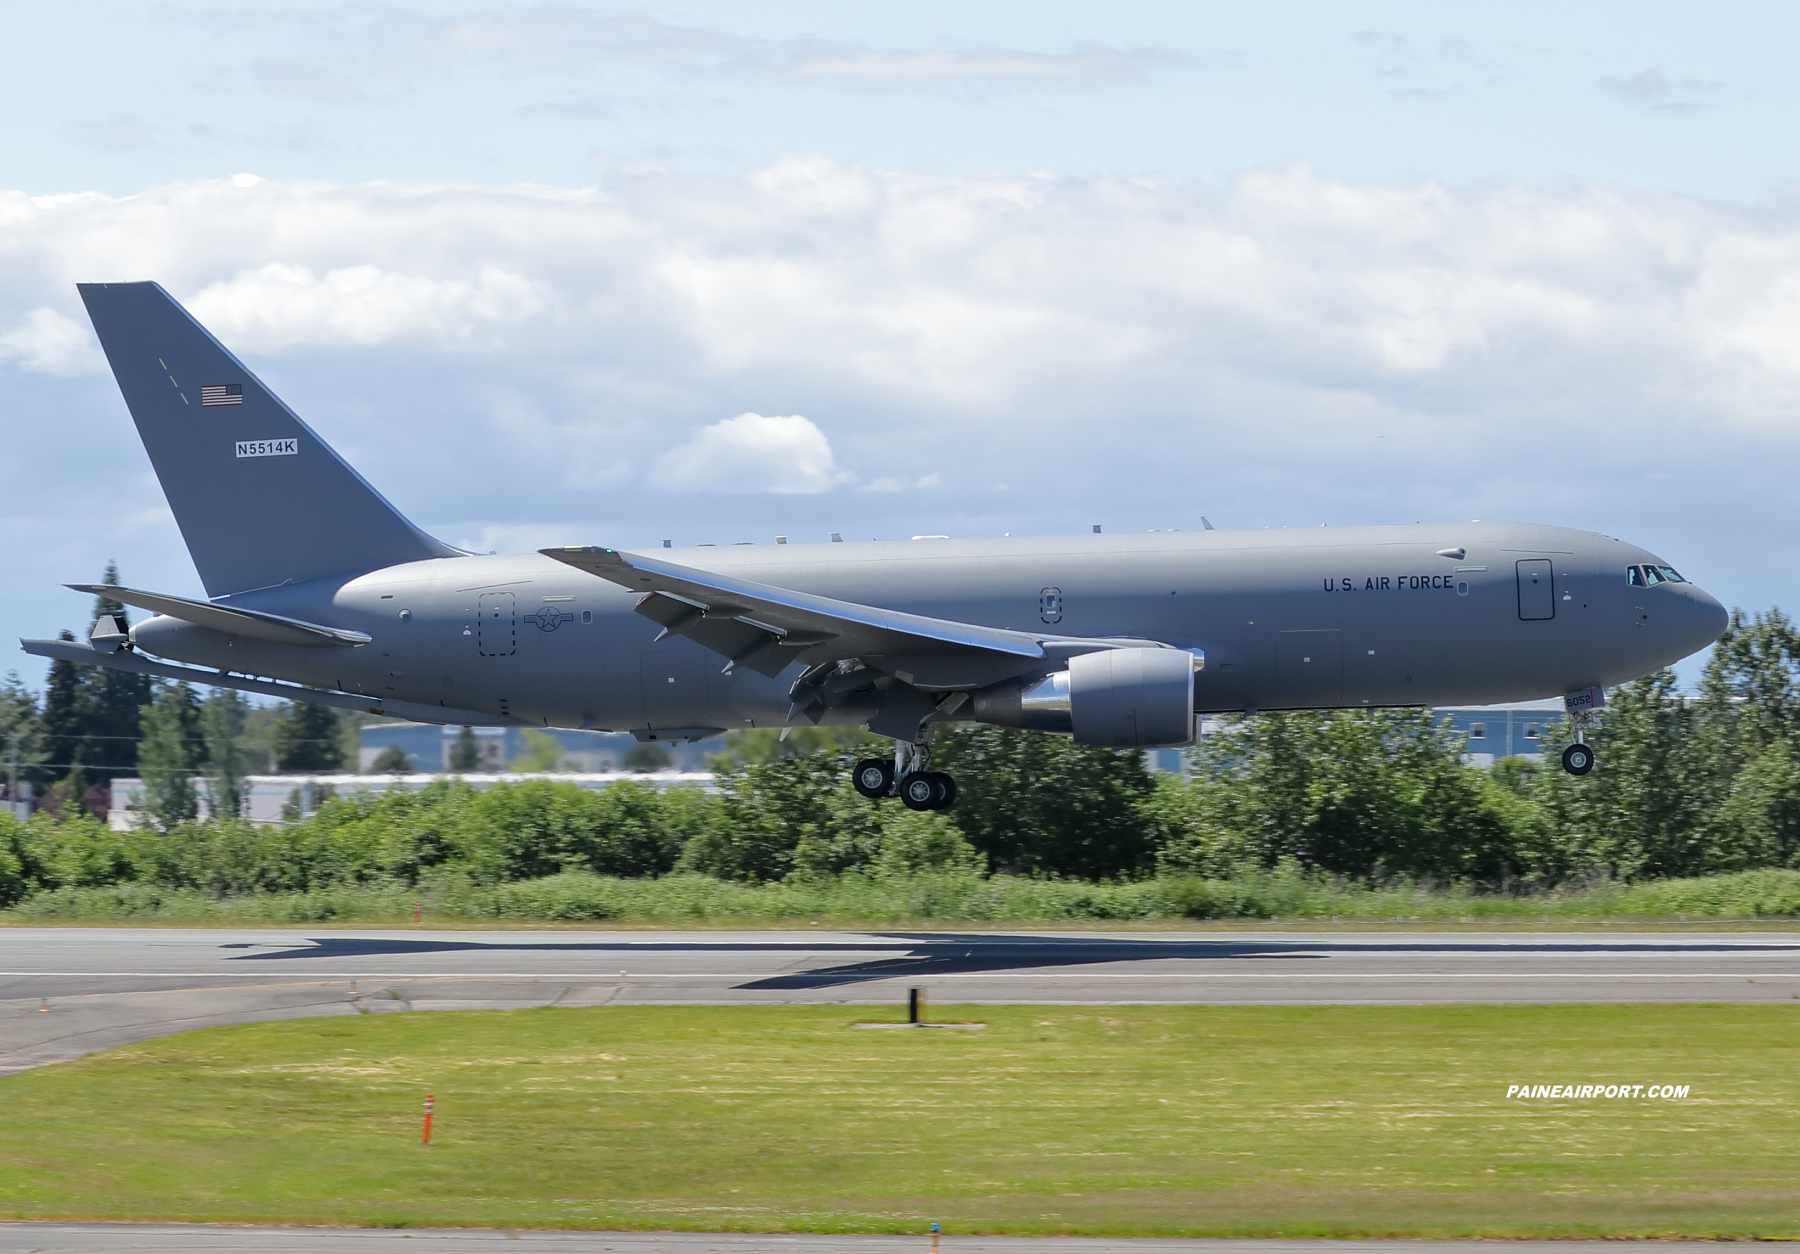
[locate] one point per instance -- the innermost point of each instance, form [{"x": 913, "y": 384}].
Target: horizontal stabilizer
[
  {"x": 251, "y": 624},
  {"x": 84, "y": 654}
]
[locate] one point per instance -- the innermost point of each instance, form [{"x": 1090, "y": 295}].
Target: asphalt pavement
[
  {"x": 65, "y": 992},
  {"x": 101, "y": 1238}
]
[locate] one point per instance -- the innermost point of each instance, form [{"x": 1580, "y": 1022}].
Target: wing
[
  {"x": 863, "y": 664},
  {"x": 766, "y": 628}
]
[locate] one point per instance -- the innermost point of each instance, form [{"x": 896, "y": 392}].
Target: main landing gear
[{"x": 906, "y": 778}]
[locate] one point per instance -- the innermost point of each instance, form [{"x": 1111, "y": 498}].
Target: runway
[
  {"x": 103, "y": 1238},
  {"x": 65, "y": 992}
]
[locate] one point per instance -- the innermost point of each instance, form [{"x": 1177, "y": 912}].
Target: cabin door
[{"x": 1537, "y": 589}]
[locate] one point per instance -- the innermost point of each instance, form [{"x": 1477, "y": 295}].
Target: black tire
[
  {"x": 873, "y": 778},
  {"x": 1578, "y": 759},
  {"x": 923, "y": 791},
  {"x": 949, "y": 783}
]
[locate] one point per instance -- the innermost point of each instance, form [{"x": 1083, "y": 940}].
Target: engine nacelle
[{"x": 1116, "y": 698}]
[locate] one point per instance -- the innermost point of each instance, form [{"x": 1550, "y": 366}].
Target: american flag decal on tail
[{"x": 222, "y": 394}]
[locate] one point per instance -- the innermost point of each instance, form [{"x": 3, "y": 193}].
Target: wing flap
[{"x": 738, "y": 640}]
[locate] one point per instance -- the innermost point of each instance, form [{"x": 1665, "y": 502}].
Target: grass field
[
  {"x": 1285, "y": 895},
  {"x": 1231, "y": 1121}
]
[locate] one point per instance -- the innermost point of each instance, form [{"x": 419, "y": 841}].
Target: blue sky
[
  {"x": 1668, "y": 96},
  {"x": 565, "y": 273}
]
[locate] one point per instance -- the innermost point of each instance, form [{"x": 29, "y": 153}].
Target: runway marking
[{"x": 565, "y": 976}]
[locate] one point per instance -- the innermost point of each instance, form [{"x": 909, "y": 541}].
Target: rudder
[{"x": 259, "y": 498}]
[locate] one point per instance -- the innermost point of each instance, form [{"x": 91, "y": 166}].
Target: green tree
[
  {"x": 1750, "y": 689},
  {"x": 20, "y": 732},
  {"x": 110, "y": 727},
  {"x": 770, "y": 744},
  {"x": 645, "y": 756},
  {"x": 68, "y": 703},
  {"x": 169, "y": 757},
  {"x": 222, "y": 722},
  {"x": 1759, "y": 822},
  {"x": 1648, "y": 808},
  {"x": 542, "y": 752},
  {"x": 465, "y": 753},
  {"x": 307, "y": 739},
  {"x": 1355, "y": 792},
  {"x": 392, "y": 760},
  {"x": 1044, "y": 804},
  {"x": 774, "y": 816}
]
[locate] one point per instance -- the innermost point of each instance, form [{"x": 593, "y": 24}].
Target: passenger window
[
  {"x": 1477, "y": 731},
  {"x": 1634, "y": 576},
  {"x": 1651, "y": 578},
  {"x": 1668, "y": 572},
  {"x": 1531, "y": 731}
]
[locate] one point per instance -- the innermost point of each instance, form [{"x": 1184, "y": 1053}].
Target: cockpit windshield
[{"x": 1649, "y": 576}]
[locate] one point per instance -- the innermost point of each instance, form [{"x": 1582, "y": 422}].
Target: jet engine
[{"x": 1116, "y": 698}]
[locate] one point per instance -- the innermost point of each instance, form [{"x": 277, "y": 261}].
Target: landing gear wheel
[
  {"x": 949, "y": 800},
  {"x": 873, "y": 778},
  {"x": 1578, "y": 759},
  {"x": 924, "y": 791}
]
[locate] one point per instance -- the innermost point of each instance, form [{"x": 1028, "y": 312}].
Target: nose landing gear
[
  {"x": 907, "y": 778},
  {"x": 1578, "y": 759}
]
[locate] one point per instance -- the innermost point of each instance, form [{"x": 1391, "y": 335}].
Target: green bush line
[{"x": 935, "y": 898}]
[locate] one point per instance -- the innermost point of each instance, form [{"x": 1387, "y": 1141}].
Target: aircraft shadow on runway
[{"x": 924, "y": 954}]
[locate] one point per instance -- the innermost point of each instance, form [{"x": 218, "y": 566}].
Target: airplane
[{"x": 320, "y": 590}]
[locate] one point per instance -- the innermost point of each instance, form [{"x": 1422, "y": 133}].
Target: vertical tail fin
[{"x": 259, "y": 498}]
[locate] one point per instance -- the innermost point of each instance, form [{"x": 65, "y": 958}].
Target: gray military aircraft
[{"x": 320, "y": 590}]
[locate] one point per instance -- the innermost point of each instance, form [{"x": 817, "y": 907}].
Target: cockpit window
[
  {"x": 1652, "y": 576},
  {"x": 1634, "y": 575},
  {"x": 1668, "y": 572}
]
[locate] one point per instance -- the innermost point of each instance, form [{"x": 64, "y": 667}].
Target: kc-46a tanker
[{"x": 320, "y": 590}]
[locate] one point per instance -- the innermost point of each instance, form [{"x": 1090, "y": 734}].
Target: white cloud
[
  {"x": 398, "y": 45},
  {"x": 888, "y": 483},
  {"x": 115, "y": 133},
  {"x": 1284, "y": 346},
  {"x": 752, "y": 453},
  {"x": 280, "y": 305},
  {"x": 1656, "y": 91},
  {"x": 967, "y": 303},
  {"x": 50, "y": 343},
  {"x": 959, "y": 66}
]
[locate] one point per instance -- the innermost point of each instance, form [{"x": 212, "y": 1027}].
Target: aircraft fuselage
[{"x": 1288, "y": 618}]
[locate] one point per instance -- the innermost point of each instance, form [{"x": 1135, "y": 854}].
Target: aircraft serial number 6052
[{"x": 1119, "y": 640}]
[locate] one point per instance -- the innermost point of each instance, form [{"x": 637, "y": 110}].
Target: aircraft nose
[{"x": 1705, "y": 618}]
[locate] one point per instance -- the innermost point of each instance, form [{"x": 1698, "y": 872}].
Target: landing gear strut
[
  {"x": 1578, "y": 759},
  {"x": 908, "y": 779}
]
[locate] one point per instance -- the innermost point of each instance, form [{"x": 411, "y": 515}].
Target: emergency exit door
[{"x": 1537, "y": 589}]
